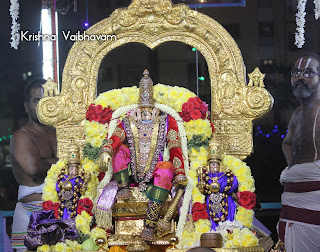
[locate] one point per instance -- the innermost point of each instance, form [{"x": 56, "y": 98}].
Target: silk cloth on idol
[
  {"x": 231, "y": 203},
  {"x": 44, "y": 228},
  {"x": 146, "y": 143},
  {"x": 299, "y": 224}
]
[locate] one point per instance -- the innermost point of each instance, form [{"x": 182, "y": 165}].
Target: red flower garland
[
  {"x": 99, "y": 114},
  {"x": 194, "y": 109}
]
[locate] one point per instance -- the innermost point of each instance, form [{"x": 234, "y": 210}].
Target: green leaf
[{"x": 197, "y": 142}]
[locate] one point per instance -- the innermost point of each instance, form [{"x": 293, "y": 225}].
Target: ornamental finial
[
  {"x": 73, "y": 153},
  {"x": 146, "y": 72},
  {"x": 146, "y": 90},
  {"x": 214, "y": 150}
]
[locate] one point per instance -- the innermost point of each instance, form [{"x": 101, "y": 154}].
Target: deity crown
[
  {"x": 146, "y": 91},
  {"x": 214, "y": 150},
  {"x": 73, "y": 153}
]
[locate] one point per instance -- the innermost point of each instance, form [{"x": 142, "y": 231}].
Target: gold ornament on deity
[
  {"x": 146, "y": 91},
  {"x": 214, "y": 150},
  {"x": 67, "y": 185},
  {"x": 215, "y": 186},
  {"x": 73, "y": 153}
]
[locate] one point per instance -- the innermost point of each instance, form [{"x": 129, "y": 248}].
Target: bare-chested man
[
  {"x": 299, "y": 225},
  {"x": 33, "y": 149}
]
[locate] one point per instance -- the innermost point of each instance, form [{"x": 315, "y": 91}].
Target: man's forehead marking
[
  {"x": 308, "y": 62},
  {"x": 300, "y": 61}
]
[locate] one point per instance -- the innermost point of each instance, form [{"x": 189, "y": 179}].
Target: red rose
[
  {"x": 101, "y": 176},
  {"x": 203, "y": 116},
  {"x": 196, "y": 216},
  {"x": 197, "y": 99},
  {"x": 96, "y": 117},
  {"x": 85, "y": 204},
  {"x": 195, "y": 114},
  {"x": 185, "y": 116},
  {"x": 190, "y": 106},
  {"x": 197, "y": 105},
  {"x": 204, "y": 215},
  {"x": 89, "y": 115},
  {"x": 246, "y": 199},
  {"x": 198, "y": 207},
  {"x": 98, "y": 109},
  {"x": 184, "y": 107},
  {"x": 80, "y": 209},
  {"x": 47, "y": 205},
  {"x": 104, "y": 118},
  {"x": 91, "y": 106}
]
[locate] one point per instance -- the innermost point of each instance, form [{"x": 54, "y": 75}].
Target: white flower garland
[
  {"x": 184, "y": 146},
  {"x": 300, "y": 19},
  {"x": 316, "y": 9},
  {"x": 116, "y": 114},
  {"x": 15, "y": 27}
]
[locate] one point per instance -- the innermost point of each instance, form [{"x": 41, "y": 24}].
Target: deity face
[
  {"x": 146, "y": 115},
  {"x": 307, "y": 82},
  {"x": 73, "y": 170},
  {"x": 214, "y": 166}
]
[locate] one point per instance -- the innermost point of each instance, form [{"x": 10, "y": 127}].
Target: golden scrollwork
[
  {"x": 153, "y": 23},
  {"x": 50, "y": 88}
]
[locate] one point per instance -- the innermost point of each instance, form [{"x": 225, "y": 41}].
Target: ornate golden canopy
[{"x": 153, "y": 22}]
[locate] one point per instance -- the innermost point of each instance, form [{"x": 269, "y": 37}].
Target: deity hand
[
  {"x": 180, "y": 181},
  {"x": 104, "y": 160}
]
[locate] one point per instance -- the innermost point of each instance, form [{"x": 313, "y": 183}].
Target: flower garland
[
  {"x": 316, "y": 9},
  {"x": 242, "y": 237},
  {"x": 15, "y": 27},
  {"x": 300, "y": 19}
]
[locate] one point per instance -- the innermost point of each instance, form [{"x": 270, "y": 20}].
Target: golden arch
[{"x": 234, "y": 103}]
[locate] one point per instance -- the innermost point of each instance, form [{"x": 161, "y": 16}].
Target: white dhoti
[
  {"x": 22, "y": 215},
  {"x": 299, "y": 224}
]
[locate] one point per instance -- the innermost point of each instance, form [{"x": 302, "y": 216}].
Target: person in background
[
  {"x": 299, "y": 224},
  {"x": 33, "y": 149}
]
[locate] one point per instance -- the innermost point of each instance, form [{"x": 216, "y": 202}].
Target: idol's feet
[
  {"x": 147, "y": 234},
  {"x": 123, "y": 194}
]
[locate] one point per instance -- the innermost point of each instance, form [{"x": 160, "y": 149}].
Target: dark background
[{"x": 263, "y": 29}]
